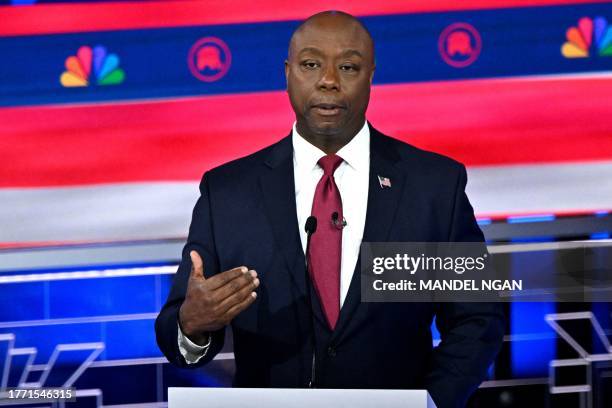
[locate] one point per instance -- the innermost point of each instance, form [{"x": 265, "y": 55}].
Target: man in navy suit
[{"x": 243, "y": 264}]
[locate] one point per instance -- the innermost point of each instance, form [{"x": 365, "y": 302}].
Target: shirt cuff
[{"x": 191, "y": 352}]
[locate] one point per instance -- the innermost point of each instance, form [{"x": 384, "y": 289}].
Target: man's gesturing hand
[{"x": 212, "y": 303}]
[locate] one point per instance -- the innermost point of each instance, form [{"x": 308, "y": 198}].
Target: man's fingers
[
  {"x": 235, "y": 286},
  {"x": 197, "y": 265},
  {"x": 234, "y": 310},
  {"x": 237, "y": 297},
  {"x": 221, "y": 279}
]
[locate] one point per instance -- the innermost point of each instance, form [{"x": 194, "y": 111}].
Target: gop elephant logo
[
  {"x": 209, "y": 59},
  {"x": 459, "y": 45},
  {"x": 458, "y": 42}
]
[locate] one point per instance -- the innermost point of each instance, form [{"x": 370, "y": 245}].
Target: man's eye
[
  {"x": 348, "y": 68},
  {"x": 310, "y": 64}
]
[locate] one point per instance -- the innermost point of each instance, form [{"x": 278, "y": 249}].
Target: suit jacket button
[{"x": 331, "y": 351}]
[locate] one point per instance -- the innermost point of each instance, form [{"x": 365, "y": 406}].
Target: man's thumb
[{"x": 197, "y": 266}]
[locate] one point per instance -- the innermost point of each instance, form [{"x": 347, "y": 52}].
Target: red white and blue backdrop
[{"x": 110, "y": 112}]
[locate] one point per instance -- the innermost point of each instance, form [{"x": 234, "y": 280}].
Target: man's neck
[{"x": 328, "y": 143}]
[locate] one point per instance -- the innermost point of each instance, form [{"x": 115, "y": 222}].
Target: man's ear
[
  {"x": 286, "y": 74},
  {"x": 372, "y": 74}
]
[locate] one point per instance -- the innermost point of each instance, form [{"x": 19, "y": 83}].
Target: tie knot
[{"x": 330, "y": 163}]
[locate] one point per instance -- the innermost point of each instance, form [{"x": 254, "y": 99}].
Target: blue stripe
[
  {"x": 96, "y": 267},
  {"x": 516, "y": 42},
  {"x": 531, "y": 218},
  {"x": 484, "y": 221}
]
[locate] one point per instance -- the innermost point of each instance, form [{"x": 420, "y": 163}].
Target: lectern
[{"x": 296, "y": 398}]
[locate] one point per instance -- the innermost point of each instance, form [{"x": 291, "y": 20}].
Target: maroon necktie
[{"x": 326, "y": 243}]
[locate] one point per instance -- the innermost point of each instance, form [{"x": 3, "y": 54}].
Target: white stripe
[
  {"x": 107, "y": 273},
  {"x": 78, "y": 320},
  {"x": 148, "y": 360},
  {"x": 111, "y": 212},
  {"x": 139, "y": 405},
  {"x": 547, "y": 246},
  {"x": 92, "y": 255},
  {"x": 130, "y": 211},
  {"x": 542, "y": 188}
]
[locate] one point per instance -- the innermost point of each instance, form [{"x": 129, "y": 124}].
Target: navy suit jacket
[{"x": 246, "y": 215}]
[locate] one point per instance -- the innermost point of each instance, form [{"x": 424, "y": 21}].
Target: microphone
[
  {"x": 336, "y": 222},
  {"x": 310, "y": 228}
]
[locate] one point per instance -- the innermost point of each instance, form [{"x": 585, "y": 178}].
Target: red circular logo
[
  {"x": 209, "y": 59},
  {"x": 459, "y": 45}
]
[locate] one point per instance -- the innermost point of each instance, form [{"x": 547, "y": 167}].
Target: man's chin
[
  {"x": 327, "y": 131},
  {"x": 327, "y": 128}
]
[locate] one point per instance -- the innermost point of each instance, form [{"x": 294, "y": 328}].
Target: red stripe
[
  {"x": 79, "y": 244},
  {"x": 502, "y": 217},
  {"x": 480, "y": 122},
  {"x": 502, "y": 122},
  {"x": 87, "y": 17}
]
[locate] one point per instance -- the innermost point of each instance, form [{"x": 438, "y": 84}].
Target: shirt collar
[{"x": 355, "y": 153}]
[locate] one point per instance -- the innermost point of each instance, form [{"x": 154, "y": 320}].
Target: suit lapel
[
  {"x": 382, "y": 206},
  {"x": 277, "y": 187}
]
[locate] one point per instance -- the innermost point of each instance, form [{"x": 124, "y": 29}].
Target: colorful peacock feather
[{"x": 92, "y": 66}]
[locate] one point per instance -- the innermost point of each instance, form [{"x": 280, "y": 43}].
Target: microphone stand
[{"x": 310, "y": 227}]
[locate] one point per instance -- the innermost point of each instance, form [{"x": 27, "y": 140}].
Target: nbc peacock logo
[
  {"x": 589, "y": 37},
  {"x": 92, "y": 67}
]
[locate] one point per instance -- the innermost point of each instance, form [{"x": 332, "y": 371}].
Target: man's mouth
[{"x": 327, "y": 109}]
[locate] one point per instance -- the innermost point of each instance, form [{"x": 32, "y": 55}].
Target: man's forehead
[{"x": 340, "y": 35}]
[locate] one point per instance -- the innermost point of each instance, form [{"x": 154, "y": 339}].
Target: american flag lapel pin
[{"x": 384, "y": 182}]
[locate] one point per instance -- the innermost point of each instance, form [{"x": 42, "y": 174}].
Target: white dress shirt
[{"x": 352, "y": 179}]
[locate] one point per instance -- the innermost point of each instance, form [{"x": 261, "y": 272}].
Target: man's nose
[{"x": 329, "y": 79}]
